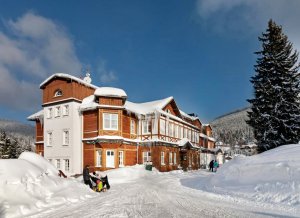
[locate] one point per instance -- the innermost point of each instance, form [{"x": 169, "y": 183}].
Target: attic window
[
  {"x": 58, "y": 93},
  {"x": 168, "y": 111}
]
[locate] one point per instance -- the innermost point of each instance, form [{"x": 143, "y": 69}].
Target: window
[
  {"x": 179, "y": 131},
  {"x": 162, "y": 158},
  {"x": 98, "y": 158},
  {"x": 132, "y": 126},
  {"x": 49, "y": 113},
  {"x": 176, "y": 131},
  {"x": 49, "y": 138},
  {"x": 58, "y": 163},
  {"x": 175, "y": 161},
  {"x": 185, "y": 133},
  {"x": 146, "y": 156},
  {"x": 67, "y": 164},
  {"x": 168, "y": 111},
  {"x": 58, "y": 93},
  {"x": 162, "y": 127},
  {"x": 121, "y": 158},
  {"x": 170, "y": 158},
  {"x": 110, "y": 121},
  {"x": 65, "y": 110},
  {"x": 57, "y": 111},
  {"x": 66, "y": 137},
  {"x": 189, "y": 134},
  {"x": 171, "y": 130},
  {"x": 146, "y": 126},
  {"x": 190, "y": 161}
]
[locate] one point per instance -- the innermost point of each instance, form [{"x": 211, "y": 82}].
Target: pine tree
[{"x": 275, "y": 115}]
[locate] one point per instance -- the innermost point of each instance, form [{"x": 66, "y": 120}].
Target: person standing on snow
[
  {"x": 87, "y": 177},
  {"x": 211, "y": 165},
  {"x": 216, "y": 165}
]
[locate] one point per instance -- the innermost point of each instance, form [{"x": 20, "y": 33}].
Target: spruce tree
[{"x": 275, "y": 115}]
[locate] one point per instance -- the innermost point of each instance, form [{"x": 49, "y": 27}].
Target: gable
[
  {"x": 197, "y": 123},
  {"x": 172, "y": 108},
  {"x": 66, "y": 88}
]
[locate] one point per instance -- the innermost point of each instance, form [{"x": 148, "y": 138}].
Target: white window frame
[
  {"x": 132, "y": 126},
  {"x": 121, "y": 158},
  {"x": 58, "y": 93},
  {"x": 146, "y": 127},
  {"x": 66, "y": 137},
  {"x": 67, "y": 165},
  {"x": 170, "y": 158},
  {"x": 162, "y": 158},
  {"x": 49, "y": 113},
  {"x": 66, "y": 110},
  {"x": 57, "y": 163},
  {"x": 57, "y": 111},
  {"x": 49, "y": 138},
  {"x": 171, "y": 131},
  {"x": 175, "y": 160},
  {"x": 110, "y": 118},
  {"x": 176, "y": 131},
  {"x": 162, "y": 128},
  {"x": 99, "y": 158},
  {"x": 146, "y": 157},
  {"x": 181, "y": 131}
]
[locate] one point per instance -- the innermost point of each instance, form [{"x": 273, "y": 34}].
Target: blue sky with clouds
[{"x": 200, "y": 52}]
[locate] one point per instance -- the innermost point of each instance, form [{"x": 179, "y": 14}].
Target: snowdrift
[
  {"x": 271, "y": 177},
  {"x": 31, "y": 184}
]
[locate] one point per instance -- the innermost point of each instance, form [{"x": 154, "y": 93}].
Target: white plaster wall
[{"x": 56, "y": 125}]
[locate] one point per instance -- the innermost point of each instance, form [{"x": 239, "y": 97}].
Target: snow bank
[
  {"x": 126, "y": 174},
  {"x": 271, "y": 177},
  {"x": 31, "y": 184}
]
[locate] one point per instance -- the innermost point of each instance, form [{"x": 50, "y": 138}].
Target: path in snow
[{"x": 163, "y": 195}]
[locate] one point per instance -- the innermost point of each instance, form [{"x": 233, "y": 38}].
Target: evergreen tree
[{"x": 275, "y": 115}]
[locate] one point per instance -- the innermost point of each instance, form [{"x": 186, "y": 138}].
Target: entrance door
[{"x": 110, "y": 159}]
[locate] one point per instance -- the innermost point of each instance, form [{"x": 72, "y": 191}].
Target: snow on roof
[
  {"x": 88, "y": 103},
  {"x": 184, "y": 141},
  {"x": 36, "y": 115},
  {"x": 110, "y": 92},
  {"x": 188, "y": 116},
  {"x": 67, "y": 76},
  {"x": 147, "y": 107}
]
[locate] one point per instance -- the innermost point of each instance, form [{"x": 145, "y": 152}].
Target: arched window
[{"x": 58, "y": 93}]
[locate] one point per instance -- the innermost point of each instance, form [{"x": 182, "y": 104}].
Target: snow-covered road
[{"x": 154, "y": 194}]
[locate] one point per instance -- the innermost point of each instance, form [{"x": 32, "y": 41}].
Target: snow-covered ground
[{"x": 266, "y": 185}]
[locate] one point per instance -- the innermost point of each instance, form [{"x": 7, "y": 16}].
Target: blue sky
[{"x": 200, "y": 52}]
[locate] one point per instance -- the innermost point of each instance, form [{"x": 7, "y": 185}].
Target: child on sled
[{"x": 101, "y": 183}]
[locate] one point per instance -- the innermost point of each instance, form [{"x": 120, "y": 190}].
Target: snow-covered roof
[
  {"x": 37, "y": 115},
  {"x": 88, "y": 103},
  {"x": 188, "y": 116},
  {"x": 67, "y": 76},
  {"x": 147, "y": 107},
  {"x": 110, "y": 92},
  {"x": 184, "y": 141}
]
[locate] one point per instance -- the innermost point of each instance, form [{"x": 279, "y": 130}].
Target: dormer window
[{"x": 58, "y": 93}]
